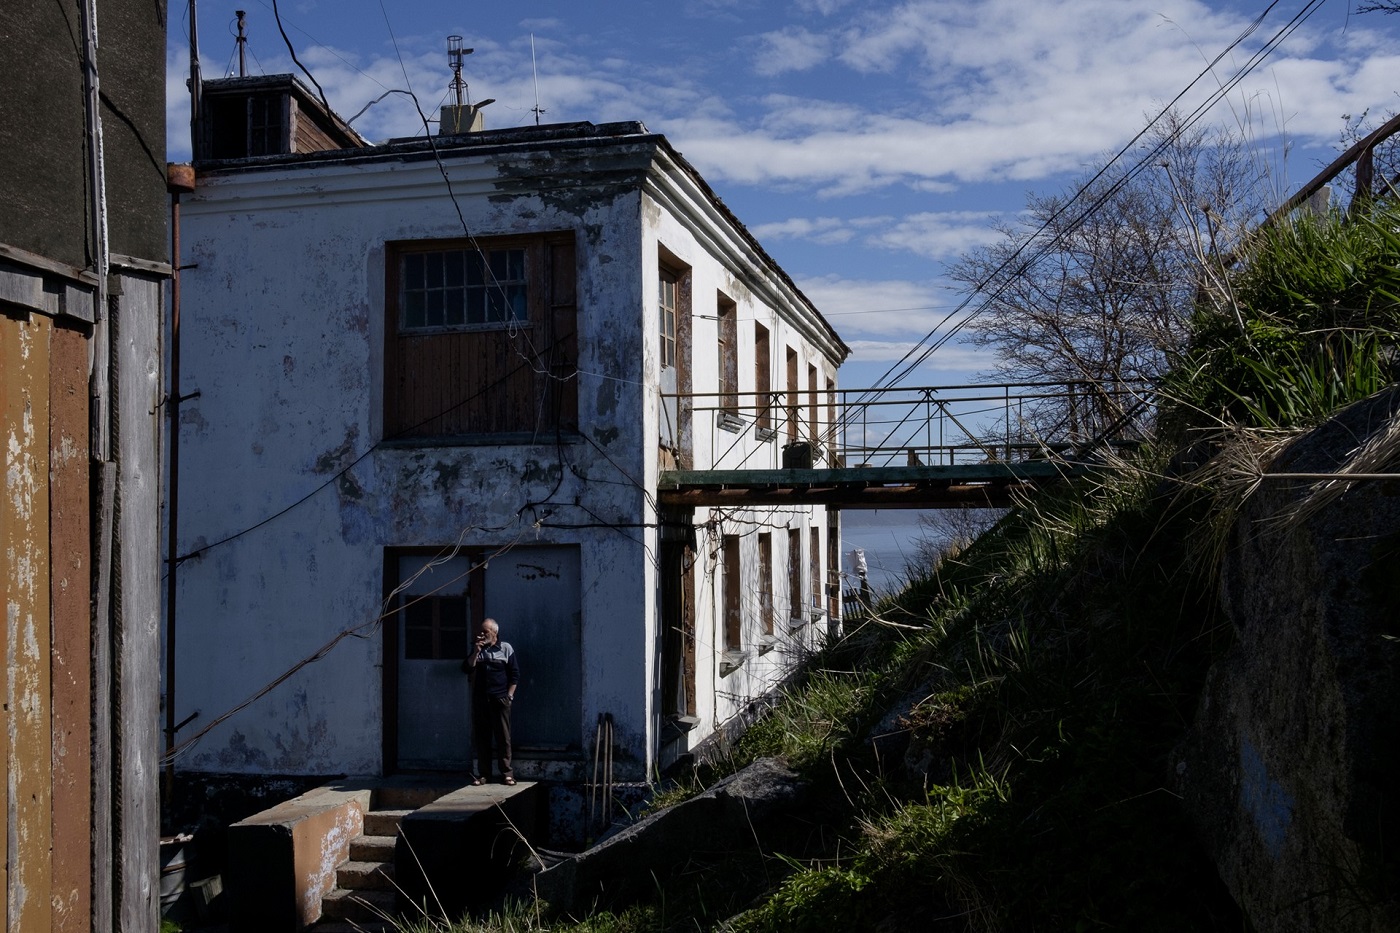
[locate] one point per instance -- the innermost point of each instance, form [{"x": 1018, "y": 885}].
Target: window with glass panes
[
  {"x": 670, "y": 286},
  {"x": 435, "y": 627},
  {"x": 462, "y": 288},
  {"x": 480, "y": 336}
]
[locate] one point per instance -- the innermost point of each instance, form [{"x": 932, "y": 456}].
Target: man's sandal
[{"x": 508, "y": 781}]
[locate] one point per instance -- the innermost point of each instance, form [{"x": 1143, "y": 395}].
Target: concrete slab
[{"x": 455, "y": 854}]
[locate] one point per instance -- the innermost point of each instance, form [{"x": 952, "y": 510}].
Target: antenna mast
[
  {"x": 242, "y": 45},
  {"x": 535, "y": 69},
  {"x": 455, "y": 54}
]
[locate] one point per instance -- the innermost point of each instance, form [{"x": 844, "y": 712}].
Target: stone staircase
[
  {"x": 364, "y": 897},
  {"x": 459, "y": 832}
]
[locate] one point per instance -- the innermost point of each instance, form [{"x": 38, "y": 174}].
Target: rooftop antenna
[
  {"x": 242, "y": 45},
  {"x": 455, "y": 54},
  {"x": 535, "y": 68}
]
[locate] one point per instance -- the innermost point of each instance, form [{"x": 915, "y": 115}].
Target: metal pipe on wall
[
  {"x": 179, "y": 178},
  {"x": 104, "y": 849}
]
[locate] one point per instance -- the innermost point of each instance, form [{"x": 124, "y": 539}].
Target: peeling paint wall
[{"x": 283, "y": 339}]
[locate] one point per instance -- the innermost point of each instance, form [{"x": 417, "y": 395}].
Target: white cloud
[
  {"x": 828, "y": 231},
  {"x": 1009, "y": 90},
  {"x": 880, "y": 308},
  {"x": 791, "y": 49},
  {"x": 951, "y": 363},
  {"x": 930, "y": 234},
  {"x": 939, "y": 235},
  {"x": 822, "y": 7}
]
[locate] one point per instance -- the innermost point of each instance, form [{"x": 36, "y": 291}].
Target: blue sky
[{"x": 866, "y": 144}]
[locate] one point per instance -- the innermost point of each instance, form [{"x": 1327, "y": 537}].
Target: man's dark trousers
[{"x": 491, "y": 723}]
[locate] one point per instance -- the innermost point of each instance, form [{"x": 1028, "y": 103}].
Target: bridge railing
[{"x": 920, "y": 426}]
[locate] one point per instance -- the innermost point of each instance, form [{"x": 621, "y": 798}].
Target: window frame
[
  {"x": 496, "y": 245},
  {"x": 667, "y": 275},
  {"x": 508, "y": 359},
  {"x": 727, "y": 311}
]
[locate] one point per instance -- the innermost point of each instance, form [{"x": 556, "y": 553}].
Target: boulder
[
  {"x": 743, "y": 809},
  {"x": 1291, "y": 772}
]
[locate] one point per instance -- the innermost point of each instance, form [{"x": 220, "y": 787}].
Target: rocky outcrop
[
  {"x": 1292, "y": 770},
  {"x": 749, "y": 806}
]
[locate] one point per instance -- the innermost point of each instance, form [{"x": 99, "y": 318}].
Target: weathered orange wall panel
[
  {"x": 70, "y": 587},
  {"x": 30, "y": 756},
  {"x": 14, "y": 522}
]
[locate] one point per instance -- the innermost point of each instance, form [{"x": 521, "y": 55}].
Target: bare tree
[
  {"x": 946, "y": 532},
  {"x": 1100, "y": 286}
]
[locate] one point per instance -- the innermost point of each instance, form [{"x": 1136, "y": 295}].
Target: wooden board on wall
[
  {"x": 70, "y": 588},
  {"x": 24, "y": 361},
  {"x": 136, "y": 641}
]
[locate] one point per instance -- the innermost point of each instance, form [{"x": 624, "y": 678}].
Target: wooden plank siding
[
  {"x": 488, "y": 380},
  {"x": 25, "y": 523},
  {"x": 136, "y": 314},
  {"x": 307, "y": 134},
  {"x": 70, "y": 601},
  {"x": 46, "y": 643}
]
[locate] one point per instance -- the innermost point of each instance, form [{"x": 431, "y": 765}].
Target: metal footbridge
[{"x": 925, "y": 447}]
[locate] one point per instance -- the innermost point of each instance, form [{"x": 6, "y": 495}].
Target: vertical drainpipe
[
  {"x": 179, "y": 179},
  {"x": 103, "y": 854}
]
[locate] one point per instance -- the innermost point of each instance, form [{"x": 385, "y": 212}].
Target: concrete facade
[{"x": 303, "y": 504}]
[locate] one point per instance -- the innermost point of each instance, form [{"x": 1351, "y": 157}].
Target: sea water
[{"x": 890, "y": 539}]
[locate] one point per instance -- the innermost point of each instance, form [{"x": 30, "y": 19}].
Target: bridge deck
[{"x": 929, "y": 487}]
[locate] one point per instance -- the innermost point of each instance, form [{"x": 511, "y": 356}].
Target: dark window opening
[{"x": 434, "y": 627}]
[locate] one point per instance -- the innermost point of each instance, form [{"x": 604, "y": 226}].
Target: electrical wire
[{"x": 902, "y": 368}]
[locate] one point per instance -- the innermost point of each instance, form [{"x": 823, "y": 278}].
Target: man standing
[{"x": 494, "y": 672}]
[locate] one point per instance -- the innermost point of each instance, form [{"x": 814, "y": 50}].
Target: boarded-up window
[
  {"x": 795, "y": 575},
  {"x": 762, "y": 377},
  {"x": 793, "y": 409},
  {"x": 733, "y": 595},
  {"x": 480, "y": 337},
  {"x": 765, "y": 581},
  {"x": 831, "y": 417},
  {"x": 728, "y": 354},
  {"x": 833, "y": 564}
]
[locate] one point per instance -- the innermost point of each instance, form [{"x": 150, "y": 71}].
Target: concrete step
[
  {"x": 365, "y": 876},
  {"x": 384, "y": 822},
  {"x": 349, "y": 926},
  {"x": 358, "y": 906},
  {"x": 372, "y": 849}
]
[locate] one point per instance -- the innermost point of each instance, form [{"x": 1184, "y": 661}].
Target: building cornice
[{"x": 611, "y": 157}]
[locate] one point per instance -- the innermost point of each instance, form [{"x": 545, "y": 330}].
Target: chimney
[{"x": 456, "y": 120}]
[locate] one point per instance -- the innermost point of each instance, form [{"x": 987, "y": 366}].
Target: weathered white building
[{"x": 437, "y": 380}]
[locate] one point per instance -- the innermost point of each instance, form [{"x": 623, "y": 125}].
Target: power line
[{"x": 896, "y": 374}]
